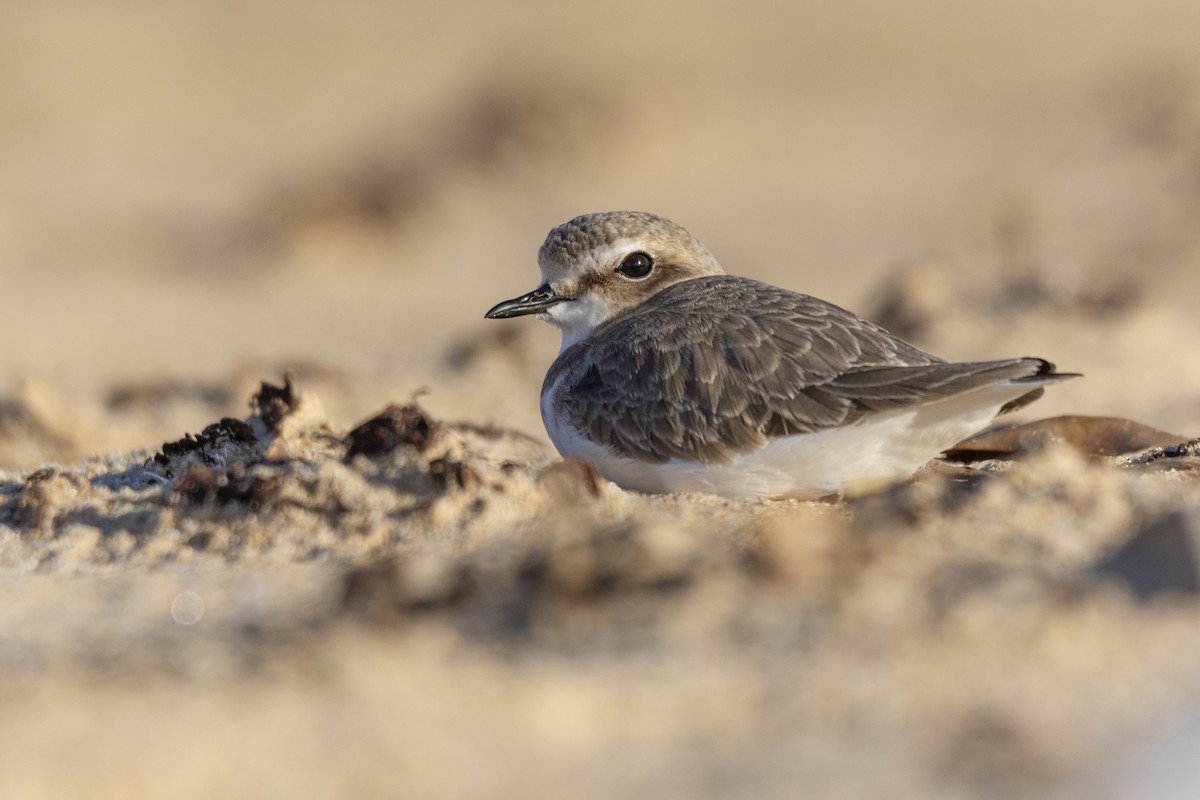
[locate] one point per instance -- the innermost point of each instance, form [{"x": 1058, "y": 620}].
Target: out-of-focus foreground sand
[{"x": 195, "y": 197}]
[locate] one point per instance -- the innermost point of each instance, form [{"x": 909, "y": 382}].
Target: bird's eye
[{"x": 636, "y": 266}]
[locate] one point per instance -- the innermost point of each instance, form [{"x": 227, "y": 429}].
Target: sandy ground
[{"x": 197, "y": 197}]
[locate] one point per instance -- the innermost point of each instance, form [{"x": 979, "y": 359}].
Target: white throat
[{"x": 577, "y": 318}]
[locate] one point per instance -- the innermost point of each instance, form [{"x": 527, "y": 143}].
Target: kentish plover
[{"x": 674, "y": 376}]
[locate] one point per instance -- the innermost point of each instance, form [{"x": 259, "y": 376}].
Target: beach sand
[{"x": 230, "y": 236}]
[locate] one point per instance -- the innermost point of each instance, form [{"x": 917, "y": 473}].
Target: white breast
[{"x": 578, "y": 318}]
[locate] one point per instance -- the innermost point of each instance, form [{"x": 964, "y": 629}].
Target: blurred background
[{"x": 194, "y": 196}]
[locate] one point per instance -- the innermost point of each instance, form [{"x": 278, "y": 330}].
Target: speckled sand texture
[
  {"x": 376, "y": 579},
  {"x": 434, "y": 596}
]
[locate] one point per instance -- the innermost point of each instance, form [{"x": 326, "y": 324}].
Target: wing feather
[{"x": 712, "y": 367}]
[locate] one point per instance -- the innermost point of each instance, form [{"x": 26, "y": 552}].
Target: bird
[{"x": 674, "y": 376}]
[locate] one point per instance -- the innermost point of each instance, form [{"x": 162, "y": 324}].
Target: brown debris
[
  {"x": 252, "y": 490},
  {"x": 273, "y": 403},
  {"x": 198, "y": 485},
  {"x": 394, "y": 426},
  {"x": 227, "y": 429},
  {"x": 35, "y": 499},
  {"x": 41, "y": 475},
  {"x": 1094, "y": 436},
  {"x": 34, "y": 504},
  {"x": 201, "y": 484}
]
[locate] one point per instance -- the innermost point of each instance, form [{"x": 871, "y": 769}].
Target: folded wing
[{"x": 717, "y": 366}]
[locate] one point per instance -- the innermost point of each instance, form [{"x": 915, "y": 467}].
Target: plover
[{"x": 674, "y": 376}]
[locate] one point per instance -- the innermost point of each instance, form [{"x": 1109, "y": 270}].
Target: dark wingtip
[{"x": 1047, "y": 370}]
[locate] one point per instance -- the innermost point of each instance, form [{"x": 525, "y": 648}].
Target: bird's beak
[{"x": 535, "y": 302}]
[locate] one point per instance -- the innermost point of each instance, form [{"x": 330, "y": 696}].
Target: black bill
[{"x": 535, "y": 302}]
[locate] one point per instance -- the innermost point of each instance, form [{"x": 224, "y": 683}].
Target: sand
[{"x": 212, "y": 587}]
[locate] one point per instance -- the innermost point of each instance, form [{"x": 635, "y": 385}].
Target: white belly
[{"x": 871, "y": 453}]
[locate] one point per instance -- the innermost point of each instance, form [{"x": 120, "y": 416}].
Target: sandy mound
[{"x": 448, "y": 603}]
